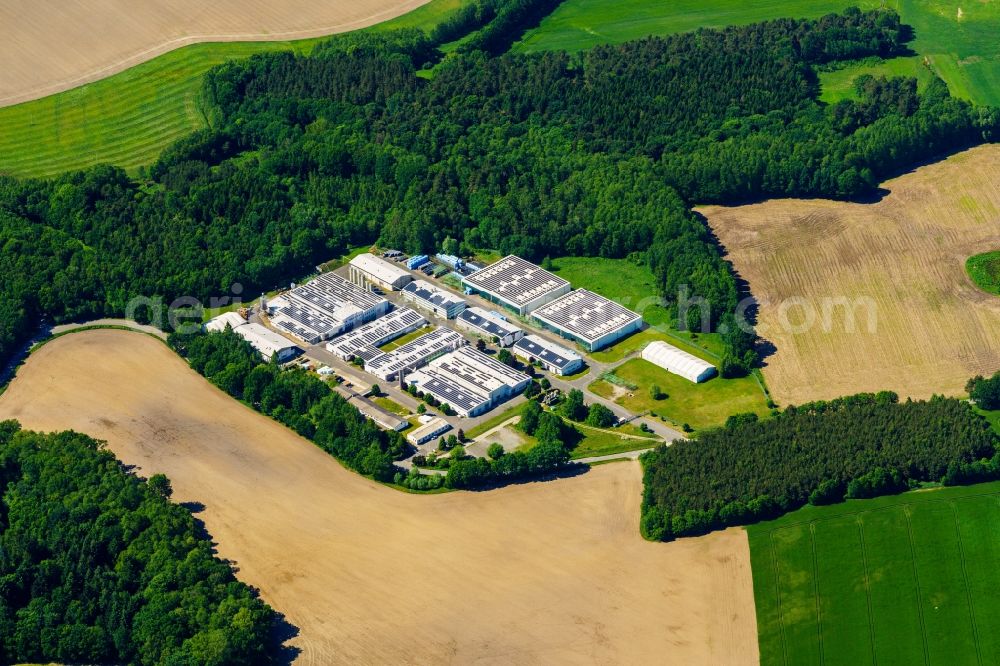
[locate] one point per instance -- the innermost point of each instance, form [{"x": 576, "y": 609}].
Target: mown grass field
[
  {"x": 909, "y": 579},
  {"x": 700, "y": 406},
  {"x": 959, "y": 39},
  {"x": 984, "y": 270},
  {"x": 128, "y": 118}
]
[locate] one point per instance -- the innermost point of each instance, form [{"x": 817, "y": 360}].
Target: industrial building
[
  {"x": 490, "y": 325},
  {"x": 230, "y": 319},
  {"x": 678, "y": 361},
  {"x": 588, "y": 318},
  {"x": 324, "y": 308},
  {"x": 469, "y": 381},
  {"x": 428, "y": 431},
  {"x": 414, "y": 354},
  {"x": 516, "y": 284},
  {"x": 364, "y": 341},
  {"x": 423, "y": 294},
  {"x": 555, "y": 358},
  {"x": 265, "y": 341},
  {"x": 367, "y": 268}
]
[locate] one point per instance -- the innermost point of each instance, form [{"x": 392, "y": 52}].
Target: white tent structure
[{"x": 678, "y": 361}]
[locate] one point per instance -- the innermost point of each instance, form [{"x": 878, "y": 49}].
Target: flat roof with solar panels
[
  {"x": 588, "y": 318},
  {"x": 324, "y": 308},
  {"x": 469, "y": 381},
  {"x": 517, "y": 284},
  {"x": 489, "y": 324},
  {"x": 557, "y": 359},
  {"x": 363, "y": 342},
  {"x": 425, "y": 295},
  {"x": 414, "y": 354}
]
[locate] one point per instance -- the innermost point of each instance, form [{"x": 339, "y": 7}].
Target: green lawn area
[
  {"x": 701, "y": 406},
  {"x": 704, "y": 345},
  {"x": 494, "y": 421},
  {"x": 963, "y": 48},
  {"x": 621, "y": 280},
  {"x": 128, "y": 118},
  {"x": 992, "y": 417},
  {"x": 839, "y": 84},
  {"x": 409, "y": 337},
  {"x": 984, "y": 271},
  {"x": 598, "y": 442},
  {"x": 390, "y": 405},
  {"x": 909, "y": 579}
]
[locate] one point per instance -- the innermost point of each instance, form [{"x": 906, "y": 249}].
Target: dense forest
[
  {"x": 98, "y": 566},
  {"x": 857, "y": 446},
  {"x": 598, "y": 153}
]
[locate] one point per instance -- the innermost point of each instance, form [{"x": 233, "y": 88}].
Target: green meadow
[
  {"x": 984, "y": 271},
  {"x": 909, "y": 579},
  {"x": 958, "y": 39},
  {"x": 128, "y": 118}
]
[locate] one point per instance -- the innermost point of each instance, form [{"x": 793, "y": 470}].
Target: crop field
[
  {"x": 126, "y": 119},
  {"x": 863, "y": 297},
  {"x": 543, "y": 572},
  {"x": 909, "y": 579},
  {"x": 699, "y": 405},
  {"x": 959, "y": 39}
]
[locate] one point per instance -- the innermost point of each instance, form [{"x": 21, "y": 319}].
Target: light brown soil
[
  {"x": 934, "y": 329},
  {"x": 47, "y": 45},
  {"x": 539, "y": 573}
]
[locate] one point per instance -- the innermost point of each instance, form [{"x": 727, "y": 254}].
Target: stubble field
[
  {"x": 552, "y": 572},
  {"x": 904, "y": 257}
]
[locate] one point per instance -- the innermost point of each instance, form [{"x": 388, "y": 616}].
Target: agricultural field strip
[{"x": 905, "y": 506}]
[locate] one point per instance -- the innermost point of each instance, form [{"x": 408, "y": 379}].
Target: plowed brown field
[
  {"x": 542, "y": 573},
  {"x": 933, "y": 329},
  {"x": 47, "y": 46}
]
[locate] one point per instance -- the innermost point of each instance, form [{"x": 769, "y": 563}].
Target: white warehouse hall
[{"x": 678, "y": 361}]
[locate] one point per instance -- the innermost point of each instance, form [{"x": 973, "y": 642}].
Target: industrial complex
[
  {"x": 364, "y": 341},
  {"x": 516, "y": 284},
  {"x": 414, "y": 354},
  {"x": 369, "y": 269},
  {"x": 589, "y": 319},
  {"x": 428, "y": 297},
  {"x": 489, "y": 325},
  {"x": 267, "y": 343},
  {"x": 555, "y": 358},
  {"x": 324, "y": 308},
  {"x": 469, "y": 381}
]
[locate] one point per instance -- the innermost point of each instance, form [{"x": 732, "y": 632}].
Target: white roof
[
  {"x": 380, "y": 269},
  {"x": 516, "y": 280},
  {"x": 677, "y": 361},
  {"x": 231, "y": 319},
  {"x": 587, "y": 315},
  {"x": 264, "y": 340}
]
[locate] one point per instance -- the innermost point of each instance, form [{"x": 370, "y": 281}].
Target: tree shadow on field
[
  {"x": 572, "y": 469},
  {"x": 282, "y": 631}
]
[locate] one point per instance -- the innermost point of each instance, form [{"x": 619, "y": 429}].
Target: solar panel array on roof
[
  {"x": 324, "y": 307},
  {"x": 469, "y": 381},
  {"x": 556, "y": 358},
  {"x": 441, "y": 302},
  {"x": 490, "y": 325},
  {"x": 363, "y": 341},
  {"x": 516, "y": 281},
  {"x": 415, "y": 353},
  {"x": 587, "y": 316}
]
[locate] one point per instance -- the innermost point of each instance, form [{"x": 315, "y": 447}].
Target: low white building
[
  {"x": 267, "y": 342},
  {"x": 424, "y": 295},
  {"x": 678, "y": 361},
  {"x": 428, "y": 431},
  {"x": 489, "y": 325},
  {"x": 369, "y": 268},
  {"x": 230, "y": 319},
  {"x": 555, "y": 358}
]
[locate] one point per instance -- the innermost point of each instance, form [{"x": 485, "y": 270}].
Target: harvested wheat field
[
  {"x": 47, "y": 46},
  {"x": 552, "y": 572},
  {"x": 933, "y": 329}
]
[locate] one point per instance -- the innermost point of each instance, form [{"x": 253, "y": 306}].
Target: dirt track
[
  {"x": 538, "y": 573},
  {"x": 47, "y": 46},
  {"x": 933, "y": 328}
]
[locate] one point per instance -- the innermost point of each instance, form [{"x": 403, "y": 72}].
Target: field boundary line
[
  {"x": 916, "y": 582},
  {"x": 868, "y": 587},
  {"x": 968, "y": 587},
  {"x": 777, "y": 596},
  {"x": 819, "y": 605},
  {"x": 809, "y": 521}
]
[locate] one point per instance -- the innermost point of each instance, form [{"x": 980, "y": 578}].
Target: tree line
[
  {"x": 98, "y": 566},
  {"x": 821, "y": 452}
]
